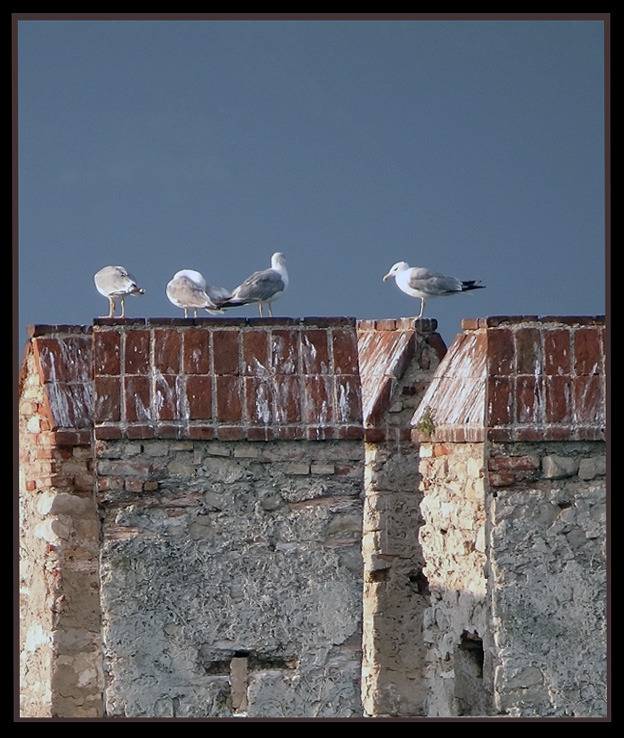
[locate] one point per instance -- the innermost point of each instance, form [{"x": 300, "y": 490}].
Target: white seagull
[
  {"x": 188, "y": 290},
  {"x": 425, "y": 284},
  {"x": 261, "y": 288},
  {"x": 114, "y": 282}
]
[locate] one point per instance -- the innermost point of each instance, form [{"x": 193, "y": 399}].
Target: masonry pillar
[
  {"x": 512, "y": 438},
  {"x": 397, "y": 361},
  {"x": 60, "y": 645}
]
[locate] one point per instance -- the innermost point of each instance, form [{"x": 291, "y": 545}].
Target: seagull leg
[
  {"x": 270, "y": 309},
  {"x": 260, "y": 310},
  {"x": 123, "y": 307},
  {"x": 186, "y": 312},
  {"x": 422, "y": 308},
  {"x": 111, "y": 302}
]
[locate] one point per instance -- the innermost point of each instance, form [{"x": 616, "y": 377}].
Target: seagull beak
[{"x": 387, "y": 277}]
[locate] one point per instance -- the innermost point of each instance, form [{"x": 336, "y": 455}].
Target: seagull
[
  {"x": 188, "y": 290},
  {"x": 114, "y": 282},
  {"x": 425, "y": 284},
  {"x": 261, "y": 288}
]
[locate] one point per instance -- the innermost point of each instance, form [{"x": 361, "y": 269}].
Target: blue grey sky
[{"x": 472, "y": 147}]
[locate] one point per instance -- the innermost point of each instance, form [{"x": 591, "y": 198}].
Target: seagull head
[
  {"x": 400, "y": 266},
  {"x": 278, "y": 260},
  {"x": 193, "y": 275}
]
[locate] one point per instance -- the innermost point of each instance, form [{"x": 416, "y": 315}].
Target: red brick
[
  {"x": 260, "y": 434},
  {"x": 201, "y": 432},
  {"x": 225, "y": 351},
  {"x": 348, "y": 399},
  {"x": 168, "y": 430},
  {"x": 166, "y": 398},
  {"x": 258, "y": 400},
  {"x": 319, "y": 399},
  {"x": 587, "y": 359},
  {"x": 133, "y": 485},
  {"x": 560, "y": 432},
  {"x": 557, "y": 351},
  {"x": 106, "y": 352},
  {"x": 314, "y": 352},
  {"x": 528, "y": 351},
  {"x": 558, "y": 399},
  {"x": 137, "y": 352},
  {"x": 377, "y": 435},
  {"x": 137, "y": 398},
  {"x": 320, "y": 433},
  {"x": 199, "y": 396},
  {"x": 140, "y": 431},
  {"x": 289, "y": 432},
  {"x": 513, "y": 463},
  {"x": 72, "y": 438},
  {"x": 287, "y": 399},
  {"x": 195, "y": 351},
  {"x": 229, "y": 399},
  {"x": 529, "y": 407},
  {"x": 107, "y": 399},
  {"x": 588, "y": 404},
  {"x": 528, "y": 433},
  {"x": 107, "y": 433},
  {"x": 230, "y": 433},
  {"x": 500, "y": 400},
  {"x": 501, "y": 479},
  {"x": 256, "y": 353},
  {"x": 167, "y": 351},
  {"x": 285, "y": 352},
  {"x": 64, "y": 359},
  {"x": 345, "y": 353},
  {"x": 500, "y": 352}
]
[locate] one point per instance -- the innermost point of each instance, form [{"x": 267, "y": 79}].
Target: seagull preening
[
  {"x": 114, "y": 282},
  {"x": 425, "y": 284},
  {"x": 261, "y": 288},
  {"x": 188, "y": 290}
]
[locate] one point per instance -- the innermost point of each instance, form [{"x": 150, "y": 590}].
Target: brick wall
[
  {"x": 228, "y": 380},
  {"x": 522, "y": 379}
]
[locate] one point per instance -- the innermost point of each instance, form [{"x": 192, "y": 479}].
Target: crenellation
[{"x": 317, "y": 517}]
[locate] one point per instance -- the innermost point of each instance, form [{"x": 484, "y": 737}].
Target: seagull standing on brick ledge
[
  {"x": 114, "y": 282},
  {"x": 425, "y": 284},
  {"x": 261, "y": 288},
  {"x": 188, "y": 290}
]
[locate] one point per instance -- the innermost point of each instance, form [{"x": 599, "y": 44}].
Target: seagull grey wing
[
  {"x": 433, "y": 284},
  {"x": 218, "y": 293},
  {"x": 260, "y": 286}
]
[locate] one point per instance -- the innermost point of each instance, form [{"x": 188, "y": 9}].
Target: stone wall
[
  {"x": 549, "y": 579},
  {"x": 225, "y": 560},
  {"x": 515, "y": 528},
  {"x": 313, "y": 518}
]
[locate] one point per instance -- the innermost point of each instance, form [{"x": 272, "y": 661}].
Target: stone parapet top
[
  {"x": 229, "y": 379},
  {"x": 386, "y": 349},
  {"x": 495, "y": 321},
  {"x": 519, "y": 378}
]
